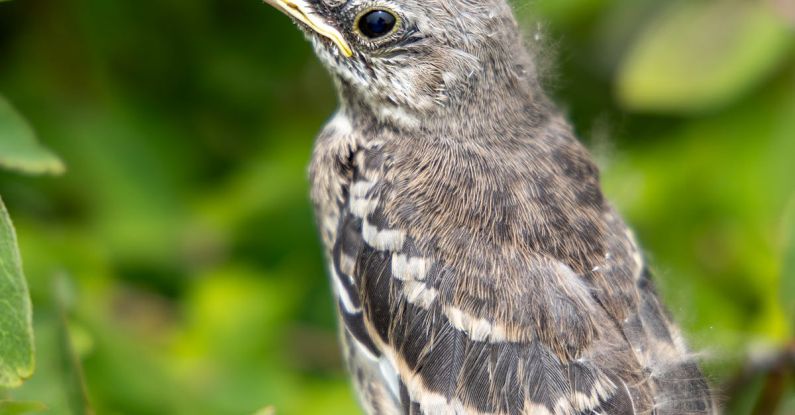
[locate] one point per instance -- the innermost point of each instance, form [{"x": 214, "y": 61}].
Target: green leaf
[
  {"x": 20, "y": 408},
  {"x": 74, "y": 379},
  {"x": 788, "y": 271},
  {"x": 697, "y": 56},
  {"x": 19, "y": 149},
  {"x": 562, "y": 11},
  {"x": 16, "y": 331}
]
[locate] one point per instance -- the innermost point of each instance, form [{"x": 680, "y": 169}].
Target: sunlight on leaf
[
  {"x": 20, "y": 408},
  {"x": 16, "y": 332},
  {"x": 268, "y": 410},
  {"x": 698, "y": 56},
  {"x": 19, "y": 149}
]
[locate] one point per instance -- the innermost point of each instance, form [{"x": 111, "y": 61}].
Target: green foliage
[
  {"x": 72, "y": 372},
  {"x": 18, "y": 151},
  {"x": 16, "y": 331},
  {"x": 197, "y": 285},
  {"x": 698, "y": 56},
  {"x": 788, "y": 272},
  {"x": 20, "y": 408},
  {"x": 18, "y": 147}
]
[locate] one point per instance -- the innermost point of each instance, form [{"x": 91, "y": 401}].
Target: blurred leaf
[
  {"x": 74, "y": 381},
  {"x": 16, "y": 342},
  {"x": 268, "y": 410},
  {"x": 788, "y": 272},
  {"x": 19, "y": 149},
  {"x": 701, "y": 55},
  {"x": 563, "y": 11},
  {"x": 20, "y": 408}
]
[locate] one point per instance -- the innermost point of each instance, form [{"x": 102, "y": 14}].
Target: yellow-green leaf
[
  {"x": 16, "y": 332},
  {"x": 20, "y": 408},
  {"x": 788, "y": 272},
  {"x": 700, "y": 55},
  {"x": 19, "y": 149}
]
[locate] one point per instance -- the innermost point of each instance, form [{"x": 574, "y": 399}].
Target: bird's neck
[
  {"x": 496, "y": 100},
  {"x": 499, "y": 92}
]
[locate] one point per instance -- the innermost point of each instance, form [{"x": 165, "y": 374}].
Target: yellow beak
[{"x": 300, "y": 10}]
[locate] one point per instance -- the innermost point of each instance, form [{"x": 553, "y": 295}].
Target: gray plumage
[{"x": 477, "y": 266}]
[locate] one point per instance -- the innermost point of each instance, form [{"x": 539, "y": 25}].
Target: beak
[{"x": 301, "y": 11}]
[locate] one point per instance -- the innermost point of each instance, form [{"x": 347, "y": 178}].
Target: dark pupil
[{"x": 377, "y": 23}]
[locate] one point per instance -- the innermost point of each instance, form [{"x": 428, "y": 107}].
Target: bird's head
[{"x": 411, "y": 59}]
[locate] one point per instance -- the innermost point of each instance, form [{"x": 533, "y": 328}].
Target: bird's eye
[{"x": 377, "y": 23}]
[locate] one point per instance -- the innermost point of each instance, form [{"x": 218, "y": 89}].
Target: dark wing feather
[
  {"x": 504, "y": 331},
  {"x": 441, "y": 364}
]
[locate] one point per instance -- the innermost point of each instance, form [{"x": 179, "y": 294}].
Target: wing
[
  {"x": 460, "y": 318},
  {"x": 454, "y": 346},
  {"x": 448, "y": 361}
]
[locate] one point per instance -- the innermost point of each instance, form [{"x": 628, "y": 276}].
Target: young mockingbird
[{"x": 477, "y": 266}]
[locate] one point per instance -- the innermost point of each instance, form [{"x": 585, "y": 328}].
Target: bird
[{"x": 476, "y": 265}]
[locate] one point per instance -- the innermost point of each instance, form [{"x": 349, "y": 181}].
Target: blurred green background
[{"x": 181, "y": 241}]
